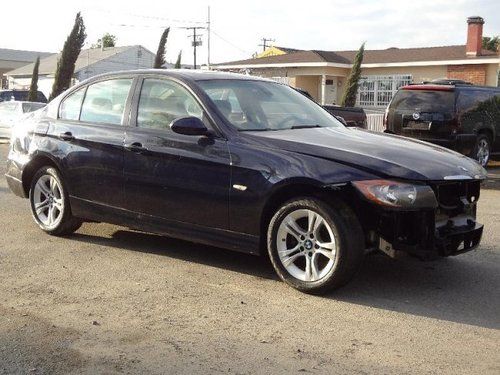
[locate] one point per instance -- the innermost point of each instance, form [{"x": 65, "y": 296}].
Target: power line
[
  {"x": 174, "y": 20},
  {"x": 230, "y": 43},
  {"x": 264, "y": 43}
]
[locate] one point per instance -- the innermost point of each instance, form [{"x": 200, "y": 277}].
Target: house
[
  {"x": 323, "y": 73},
  {"x": 13, "y": 59},
  {"x": 90, "y": 62}
]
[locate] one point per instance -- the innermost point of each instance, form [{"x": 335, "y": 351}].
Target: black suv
[
  {"x": 20, "y": 95},
  {"x": 459, "y": 116}
]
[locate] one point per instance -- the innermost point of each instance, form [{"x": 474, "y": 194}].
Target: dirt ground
[{"x": 111, "y": 300}]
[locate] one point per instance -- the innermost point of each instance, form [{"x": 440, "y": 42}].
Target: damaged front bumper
[{"x": 450, "y": 229}]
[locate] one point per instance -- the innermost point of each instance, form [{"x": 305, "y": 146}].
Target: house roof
[
  {"x": 389, "y": 55},
  {"x": 86, "y": 58},
  {"x": 21, "y": 56},
  {"x": 288, "y": 50}
]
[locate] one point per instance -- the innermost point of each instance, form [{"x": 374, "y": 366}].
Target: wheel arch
[
  {"x": 490, "y": 132},
  {"x": 37, "y": 162},
  {"x": 296, "y": 188}
]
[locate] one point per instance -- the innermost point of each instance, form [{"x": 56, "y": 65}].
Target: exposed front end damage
[{"x": 448, "y": 229}]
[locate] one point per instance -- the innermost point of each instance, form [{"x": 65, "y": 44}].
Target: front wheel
[
  {"x": 315, "y": 247},
  {"x": 50, "y": 203},
  {"x": 482, "y": 150}
]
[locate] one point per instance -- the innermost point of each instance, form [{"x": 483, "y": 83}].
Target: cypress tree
[
  {"x": 351, "y": 90},
  {"x": 178, "y": 62},
  {"x": 160, "y": 54},
  {"x": 33, "y": 94},
  {"x": 69, "y": 55}
]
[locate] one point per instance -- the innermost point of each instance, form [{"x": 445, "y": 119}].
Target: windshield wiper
[
  {"x": 305, "y": 126},
  {"x": 254, "y": 130}
]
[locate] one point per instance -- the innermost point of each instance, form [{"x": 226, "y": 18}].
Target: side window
[
  {"x": 70, "y": 107},
  {"x": 162, "y": 101},
  {"x": 469, "y": 100},
  {"x": 105, "y": 101},
  {"x": 227, "y": 102}
]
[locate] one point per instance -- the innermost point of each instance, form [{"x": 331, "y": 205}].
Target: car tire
[
  {"x": 482, "y": 149},
  {"x": 315, "y": 247},
  {"x": 49, "y": 203}
]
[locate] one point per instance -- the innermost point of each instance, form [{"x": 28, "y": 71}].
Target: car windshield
[{"x": 252, "y": 105}]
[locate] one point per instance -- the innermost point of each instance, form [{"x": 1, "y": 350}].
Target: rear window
[
  {"x": 30, "y": 107},
  {"x": 424, "y": 100}
]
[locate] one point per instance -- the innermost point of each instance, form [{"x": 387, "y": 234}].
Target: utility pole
[
  {"x": 196, "y": 41},
  {"x": 208, "y": 39},
  {"x": 264, "y": 43}
]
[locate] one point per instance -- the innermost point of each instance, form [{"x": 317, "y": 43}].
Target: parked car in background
[
  {"x": 459, "y": 116},
  {"x": 20, "y": 95},
  {"x": 12, "y": 112},
  {"x": 349, "y": 116},
  {"x": 242, "y": 163}
]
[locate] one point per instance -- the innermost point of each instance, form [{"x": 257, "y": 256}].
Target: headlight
[{"x": 397, "y": 194}]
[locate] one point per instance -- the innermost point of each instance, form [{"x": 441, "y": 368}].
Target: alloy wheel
[
  {"x": 483, "y": 152},
  {"x": 306, "y": 245},
  {"x": 48, "y": 201}
]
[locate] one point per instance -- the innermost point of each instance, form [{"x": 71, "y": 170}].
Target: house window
[{"x": 377, "y": 91}]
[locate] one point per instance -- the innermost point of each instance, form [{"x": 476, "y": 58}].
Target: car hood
[{"x": 379, "y": 153}]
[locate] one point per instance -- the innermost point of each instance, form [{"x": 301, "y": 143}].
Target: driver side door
[{"x": 175, "y": 177}]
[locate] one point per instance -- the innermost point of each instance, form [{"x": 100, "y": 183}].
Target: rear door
[
  {"x": 90, "y": 134},
  {"x": 479, "y": 110},
  {"x": 171, "y": 176}
]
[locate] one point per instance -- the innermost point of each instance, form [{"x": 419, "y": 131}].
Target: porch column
[{"x": 323, "y": 89}]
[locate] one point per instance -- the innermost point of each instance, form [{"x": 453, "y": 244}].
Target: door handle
[
  {"x": 67, "y": 136},
  {"x": 135, "y": 147}
]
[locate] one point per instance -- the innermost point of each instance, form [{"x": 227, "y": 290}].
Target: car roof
[{"x": 189, "y": 74}]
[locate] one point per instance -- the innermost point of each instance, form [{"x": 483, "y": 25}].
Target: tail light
[{"x": 386, "y": 114}]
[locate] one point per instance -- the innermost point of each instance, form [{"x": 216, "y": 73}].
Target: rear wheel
[
  {"x": 482, "y": 150},
  {"x": 315, "y": 247},
  {"x": 50, "y": 203}
]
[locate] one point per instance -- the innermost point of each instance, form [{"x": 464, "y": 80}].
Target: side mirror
[
  {"x": 342, "y": 120},
  {"x": 189, "y": 126}
]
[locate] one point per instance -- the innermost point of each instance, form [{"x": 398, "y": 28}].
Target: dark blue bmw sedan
[{"x": 242, "y": 163}]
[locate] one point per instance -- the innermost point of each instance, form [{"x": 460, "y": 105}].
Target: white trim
[{"x": 494, "y": 60}]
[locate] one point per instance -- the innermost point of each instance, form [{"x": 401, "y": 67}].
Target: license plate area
[{"x": 418, "y": 125}]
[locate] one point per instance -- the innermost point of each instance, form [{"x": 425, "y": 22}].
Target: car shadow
[
  {"x": 183, "y": 250},
  {"x": 457, "y": 289}
]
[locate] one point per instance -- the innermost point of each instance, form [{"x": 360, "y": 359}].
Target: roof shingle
[
  {"x": 86, "y": 58},
  {"x": 390, "y": 55},
  {"x": 21, "y": 56}
]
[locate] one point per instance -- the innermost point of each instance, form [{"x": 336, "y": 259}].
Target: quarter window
[
  {"x": 105, "y": 101},
  {"x": 163, "y": 101},
  {"x": 70, "y": 107}
]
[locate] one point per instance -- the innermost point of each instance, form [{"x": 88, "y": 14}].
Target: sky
[{"x": 238, "y": 26}]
